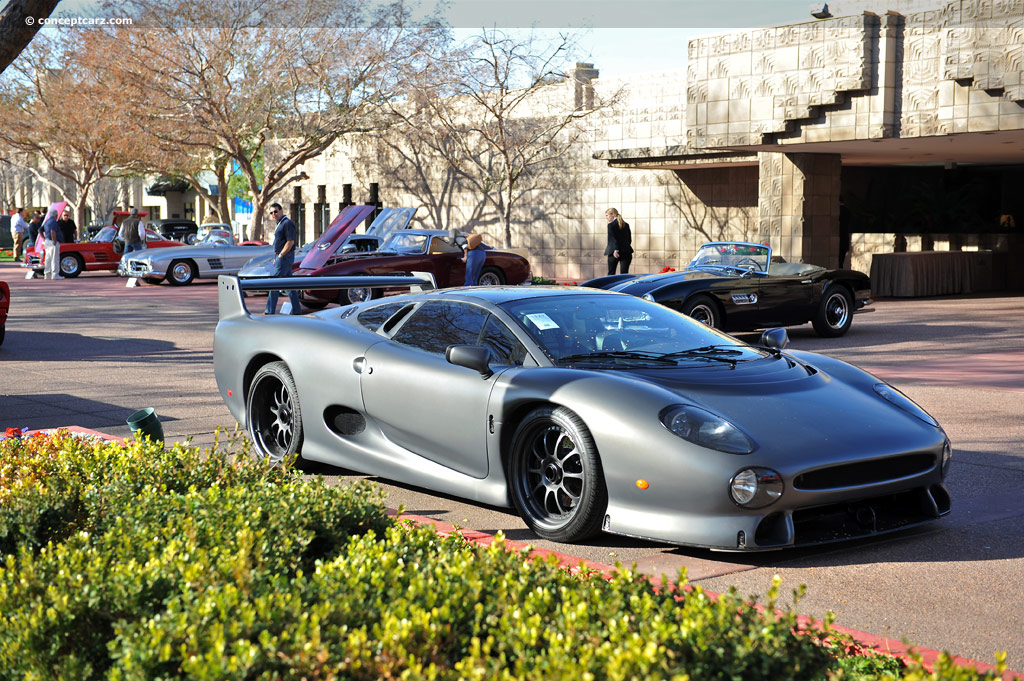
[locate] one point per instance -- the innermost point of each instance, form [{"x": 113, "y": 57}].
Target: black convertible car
[{"x": 737, "y": 286}]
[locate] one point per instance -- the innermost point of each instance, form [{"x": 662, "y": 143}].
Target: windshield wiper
[
  {"x": 708, "y": 352},
  {"x": 618, "y": 354}
]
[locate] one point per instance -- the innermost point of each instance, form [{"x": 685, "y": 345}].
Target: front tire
[
  {"x": 190, "y": 239},
  {"x": 273, "y": 414},
  {"x": 491, "y": 276},
  {"x": 835, "y": 312},
  {"x": 348, "y": 296},
  {"x": 181, "y": 273},
  {"x": 71, "y": 265},
  {"x": 704, "y": 310},
  {"x": 555, "y": 476}
]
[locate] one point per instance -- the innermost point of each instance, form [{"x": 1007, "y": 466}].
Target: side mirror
[
  {"x": 777, "y": 339},
  {"x": 474, "y": 357}
]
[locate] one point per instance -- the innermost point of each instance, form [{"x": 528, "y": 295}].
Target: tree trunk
[{"x": 19, "y": 23}]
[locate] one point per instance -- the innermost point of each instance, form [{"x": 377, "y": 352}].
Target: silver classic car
[{"x": 214, "y": 255}]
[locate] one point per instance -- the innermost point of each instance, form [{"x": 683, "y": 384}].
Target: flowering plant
[{"x": 667, "y": 269}]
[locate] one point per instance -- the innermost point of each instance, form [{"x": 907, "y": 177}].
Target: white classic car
[{"x": 216, "y": 254}]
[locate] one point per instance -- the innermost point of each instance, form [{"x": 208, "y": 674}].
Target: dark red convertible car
[{"x": 408, "y": 250}]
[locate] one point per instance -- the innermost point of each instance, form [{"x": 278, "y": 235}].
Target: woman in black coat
[{"x": 620, "y": 242}]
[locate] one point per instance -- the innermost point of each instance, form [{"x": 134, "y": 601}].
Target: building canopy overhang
[
  {"x": 166, "y": 185},
  {"x": 975, "y": 148}
]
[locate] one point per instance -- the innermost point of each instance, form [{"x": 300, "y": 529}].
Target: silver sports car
[
  {"x": 214, "y": 255},
  {"x": 586, "y": 410}
]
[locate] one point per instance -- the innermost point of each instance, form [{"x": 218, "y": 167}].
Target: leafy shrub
[{"x": 175, "y": 565}]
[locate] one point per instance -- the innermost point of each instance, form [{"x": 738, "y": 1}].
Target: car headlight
[
  {"x": 703, "y": 428},
  {"x": 947, "y": 456},
  {"x": 756, "y": 487},
  {"x": 905, "y": 403}
]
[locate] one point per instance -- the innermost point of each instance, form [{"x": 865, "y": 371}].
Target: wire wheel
[
  {"x": 273, "y": 414},
  {"x": 555, "y": 476}
]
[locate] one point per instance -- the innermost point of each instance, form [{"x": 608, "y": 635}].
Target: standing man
[
  {"x": 33, "y": 228},
  {"x": 19, "y": 230},
  {"x": 68, "y": 228},
  {"x": 132, "y": 233},
  {"x": 284, "y": 252},
  {"x": 51, "y": 246}
]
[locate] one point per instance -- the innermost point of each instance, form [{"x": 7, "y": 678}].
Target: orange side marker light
[{"x": 642, "y": 484}]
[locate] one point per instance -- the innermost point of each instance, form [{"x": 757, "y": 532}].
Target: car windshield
[
  {"x": 215, "y": 237},
  {"x": 748, "y": 257},
  {"x": 105, "y": 235},
  {"x": 609, "y": 331},
  {"x": 406, "y": 243}
]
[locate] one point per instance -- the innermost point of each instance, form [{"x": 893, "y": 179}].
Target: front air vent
[
  {"x": 865, "y": 472},
  {"x": 344, "y": 421},
  {"x": 215, "y": 263}
]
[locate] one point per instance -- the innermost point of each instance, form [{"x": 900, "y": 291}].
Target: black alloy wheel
[
  {"x": 555, "y": 476},
  {"x": 273, "y": 414}
]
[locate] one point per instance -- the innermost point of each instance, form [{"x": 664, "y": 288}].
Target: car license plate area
[{"x": 866, "y": 517}]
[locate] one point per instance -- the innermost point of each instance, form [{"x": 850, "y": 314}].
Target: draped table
[{"x": 930, "y": 273}]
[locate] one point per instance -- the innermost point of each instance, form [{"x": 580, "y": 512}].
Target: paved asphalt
[{"x": 90, "y": 351}]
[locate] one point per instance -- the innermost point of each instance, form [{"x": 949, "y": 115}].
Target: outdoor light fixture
[{"x": 820, "y": 11}]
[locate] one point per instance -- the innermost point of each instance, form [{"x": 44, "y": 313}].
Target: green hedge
[{"x": 129, "y": 562}]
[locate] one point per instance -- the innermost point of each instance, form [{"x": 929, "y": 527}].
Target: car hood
[
  {"x": 791, "y": 409},
  {"x": 650, "y": 282},
  {"x": 335, "y": 234}
]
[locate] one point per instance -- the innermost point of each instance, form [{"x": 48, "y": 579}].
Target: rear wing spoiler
[{"x": 231, "y": 290}]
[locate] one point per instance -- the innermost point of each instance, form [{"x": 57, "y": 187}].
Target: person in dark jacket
[
  {"x": 33, "y": 228},
  {"x": 620, "y": 242},
  {"x": 68, "y": 228}
]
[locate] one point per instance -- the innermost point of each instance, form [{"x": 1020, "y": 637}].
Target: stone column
[{"x": 798, "y": 206}]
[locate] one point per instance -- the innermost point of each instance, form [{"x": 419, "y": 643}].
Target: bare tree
[
  {"x": 19, "y": 23},
  {"x": 249, "y": 79},
  {"x": 511, "y": 107},
  {"x": 56, "y": 107}
]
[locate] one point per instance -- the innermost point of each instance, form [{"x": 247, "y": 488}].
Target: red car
[
  {"x": 408, "y": 250},
  {"x": 5, "y": 305},
  {"x": 103, "y": 252}
]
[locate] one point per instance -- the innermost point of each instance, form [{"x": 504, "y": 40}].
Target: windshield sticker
[{"x": 542, "y": 321}]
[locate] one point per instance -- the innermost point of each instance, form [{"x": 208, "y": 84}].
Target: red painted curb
[{"x": 878, "y": 644}]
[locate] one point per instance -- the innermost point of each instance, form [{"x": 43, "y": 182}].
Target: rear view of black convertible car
[{"x": 736, "y": 286}]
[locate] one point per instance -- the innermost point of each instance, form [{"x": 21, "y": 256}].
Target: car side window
[
  {"x": 373, "y": 317},
  {"x": 504, "y": 346},
  {"x": 438, "y": 324}
]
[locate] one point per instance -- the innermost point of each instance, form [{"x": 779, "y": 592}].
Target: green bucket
[{"x": 145, "y": 422}]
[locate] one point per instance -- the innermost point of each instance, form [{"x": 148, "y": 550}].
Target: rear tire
[
  {"x": 704, "y": 310},
  {"x": 273, "y": 415},
  {"x": 555, "y": 477},
  {"x": 491, "y": 276},
  {"x": 835, "y": 312}
]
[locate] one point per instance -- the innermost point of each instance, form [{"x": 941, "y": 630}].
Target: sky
[{"x": 620, "y": 37}]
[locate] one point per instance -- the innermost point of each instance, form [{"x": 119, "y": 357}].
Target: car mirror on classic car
[{"x": 475, "y": 357}]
